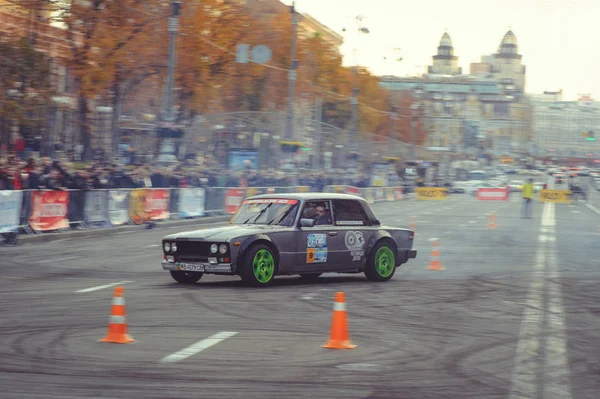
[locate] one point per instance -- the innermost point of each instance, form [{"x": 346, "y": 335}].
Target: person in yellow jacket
[{"x": 528, "y": 199}]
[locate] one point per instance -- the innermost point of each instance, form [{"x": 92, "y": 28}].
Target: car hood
[{"x": 226, "y": 232}]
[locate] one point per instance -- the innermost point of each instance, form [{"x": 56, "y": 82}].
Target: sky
[{"x": 558, "y": 39}]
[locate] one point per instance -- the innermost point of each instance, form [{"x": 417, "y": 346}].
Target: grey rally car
[{"x": 284, "y": 234}]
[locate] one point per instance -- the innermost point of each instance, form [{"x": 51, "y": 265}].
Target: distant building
[
  {"x": 445, "y": 62},
  {"x": 547, "y": 96},
  {"x": 561, "y": 128},
  {"x": 309, "y": 27},
  {"x": 484, "y": 111},
  {"x": 505, "y": 67}
]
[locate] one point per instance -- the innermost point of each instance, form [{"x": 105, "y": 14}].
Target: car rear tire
[
  {"x": 310, "y": 276},
  {"x": 259, "y": 266},
  {"x": 381, "y": 264},
  {"x": 186, "y": 277}
]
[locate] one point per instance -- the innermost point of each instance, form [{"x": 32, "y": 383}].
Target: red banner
[
  {"x": 233, "y": 200},
  {"x": 492, "y": 194},
  {"x": 352, "y": 190},
  {"x": 49, "y": 210},
  {"x": 157, "y": 204}
]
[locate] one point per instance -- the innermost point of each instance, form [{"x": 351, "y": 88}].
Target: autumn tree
[
  {"x": 105, "y": 36},
  {"x": 406, "y": 118},
  {"x": 25, "y": 87}
]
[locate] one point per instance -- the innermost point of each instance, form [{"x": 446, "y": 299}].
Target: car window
[
  {"x": 320, "y": 211},
  {"x": 349, "y": 213}
]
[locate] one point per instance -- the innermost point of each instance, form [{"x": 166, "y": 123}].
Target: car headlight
[
  {"x": 223, "y": 249},
  {"x": 167, "y": 247},
  {"x": 174, "y": 247},
  {"x": 214, "y": 248}
]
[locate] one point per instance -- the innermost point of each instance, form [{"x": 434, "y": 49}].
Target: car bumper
[
  {"x": 225, "y": 268},
  {"x": 405, "y": 254}
]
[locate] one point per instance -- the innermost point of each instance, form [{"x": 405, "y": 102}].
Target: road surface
[{"x": 515, "y": 314}]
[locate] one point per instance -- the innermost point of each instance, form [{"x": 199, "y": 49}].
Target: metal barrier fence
[{"x": 42, "y": 211}]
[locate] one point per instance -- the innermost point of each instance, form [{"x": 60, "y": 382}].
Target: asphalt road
[{"x": 514, "y": 314}]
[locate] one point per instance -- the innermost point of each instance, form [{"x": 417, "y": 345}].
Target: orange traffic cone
[
  {"x": 117, "y": 326},
  {"x": 492, "y": 221},
  {"x": 435, "y": 263},
  {"x": 413, "y": 225},
  {"x": 339, "y": 337}
]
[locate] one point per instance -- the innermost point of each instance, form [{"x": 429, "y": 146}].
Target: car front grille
[{"x": 193, "y": 251}]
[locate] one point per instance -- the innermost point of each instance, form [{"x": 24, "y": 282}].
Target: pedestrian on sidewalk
[{"x": 528, "y": 199}]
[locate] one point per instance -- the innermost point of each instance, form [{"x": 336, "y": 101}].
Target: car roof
[{"x": 309, "y": 196}]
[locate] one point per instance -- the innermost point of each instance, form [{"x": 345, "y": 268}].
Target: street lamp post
[
  {"x": 173, "y": 28},
  {"x": 353, "y": 134},
  {"x": 292, "y": 75},
  {"x": 167, "y": 152}
]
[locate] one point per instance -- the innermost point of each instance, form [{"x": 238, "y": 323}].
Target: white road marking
[
  {"x": 59, "y": 259},
  {"x": 472, "y": 221},
  {"x": 593, "y": 208},
  {"x": 101, "y": 287},
  {"x": 433, "y": 239},
  {"x": 542, "y": 349},
  {"x": 427, "y": 213},
  {"x": 151, "y": 246},
  {"x": 463, "y": 225},
  {"x": 575, "y": 212},
  {"x": 480, "y": 217},
  {"x": 198, "y": 347}
]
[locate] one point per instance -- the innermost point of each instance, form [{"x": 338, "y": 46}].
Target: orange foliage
[
  {"x": 398, "y": 125},
  {"x": 126, "y": 42}
]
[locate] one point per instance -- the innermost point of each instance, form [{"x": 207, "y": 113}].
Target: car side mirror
[{"x": 307, "y": 222}]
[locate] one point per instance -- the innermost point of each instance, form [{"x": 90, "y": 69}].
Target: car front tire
[
  {"x": 186, "y": 277},
  {"x": 381, "y": 264},
  {"x": 259, "y": 266}
]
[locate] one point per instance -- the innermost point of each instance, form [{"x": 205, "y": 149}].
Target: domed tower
[
  {"x": 508, "y": 70},
  {"x": 445, "y": 62}
]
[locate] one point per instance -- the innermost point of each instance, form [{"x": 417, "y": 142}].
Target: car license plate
[{"x": 190, "y": 267}]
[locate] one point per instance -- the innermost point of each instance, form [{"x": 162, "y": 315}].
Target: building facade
[
  {"x": 566, "y": 128},
  {"x": 484, "y": 111},
  {"x": 445, "y": 62}
]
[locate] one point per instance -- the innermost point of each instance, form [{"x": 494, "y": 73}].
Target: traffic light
[{"x": 591, "y": 136}]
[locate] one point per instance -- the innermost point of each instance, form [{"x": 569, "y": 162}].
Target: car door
[
  {"x": 353, "y": 226},
  {"x": 320, "y": 246}
]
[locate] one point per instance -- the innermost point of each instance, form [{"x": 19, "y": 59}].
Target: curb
[{"x": 49, "y": 237}]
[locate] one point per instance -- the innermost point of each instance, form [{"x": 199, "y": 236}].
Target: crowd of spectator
[{"x": 45, "y": 173}]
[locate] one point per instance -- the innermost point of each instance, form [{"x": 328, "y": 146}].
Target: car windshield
[{"x": 267, "y": 211}]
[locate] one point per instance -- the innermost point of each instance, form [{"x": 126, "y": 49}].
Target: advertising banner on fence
[
  {"x": 398, "y": 193},
  {"x": 10, "y": 210},
  {"x": 379, "y": 194},
  {"x": 389, "y": 194},
  {"x": 157, "y": 203},
  {"x": 49, "y": 210},
  {"x": 493, "y": 194},
  {"x": 191, "y": 202},
  {"x": 95, "y": 211},
  {"x": 118, "y": 207},
  {"x": 431, "y": 193},
  {"x": 557, "y": 196},
  {"x": 352, "y": 190},
  {"x": 137, "y": 205},
  {"x": 233, "y": 199}
]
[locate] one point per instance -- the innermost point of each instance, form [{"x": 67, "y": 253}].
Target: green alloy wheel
[
  {"x": 259, "y": 266},
  {"x": 384, "y": 261},
  {"x": 381, "y": 265}
]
